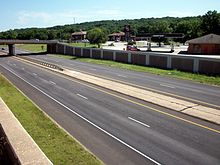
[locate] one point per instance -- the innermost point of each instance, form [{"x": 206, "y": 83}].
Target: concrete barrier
[
  {"x": 121, "y": 57},
  {"x": 184, "y": 64},
  {"x": 158, "y": 61},
  {"x": 108, "y": 55},
  {"x": 24, "y": 146},
  {"x": 43, "y": 63},
  {"x": 96, "y": 53},
  {"x": 188, "y": 63}
]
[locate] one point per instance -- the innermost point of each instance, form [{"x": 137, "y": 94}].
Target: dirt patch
[{"x": 2, "y": 53}]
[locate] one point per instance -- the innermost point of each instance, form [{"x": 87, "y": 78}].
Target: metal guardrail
[
  {"x": 43, "y": 63},
  {"x": 7, "y": 154}
]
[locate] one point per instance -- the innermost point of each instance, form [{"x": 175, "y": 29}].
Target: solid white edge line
[
  {"x": 168, "y": 86},
  {"x": 120, "y": 75},
  {"x": 92, "y": 69},
  {"x": 138, "y": 122},
  {"x": 85, "y": 119},
  {"x": 52, "y": 82},
  {"x": 82, "y": 96}
]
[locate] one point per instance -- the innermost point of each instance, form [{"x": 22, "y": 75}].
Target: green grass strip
[
  {"x": 200, "y": 78},
  {"x": 59, "y": 147},
  {"x": 36, "y": 48}
]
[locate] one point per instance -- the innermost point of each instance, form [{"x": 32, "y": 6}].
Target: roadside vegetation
[
  {"x": 97, "y": 36},
  {"x": 59, "y": 147},
  {"x": 200, "y": 78},
  {"x": 191, "y": 27}
]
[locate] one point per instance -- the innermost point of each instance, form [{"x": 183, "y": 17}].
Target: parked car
[{"x": 132, "y": 48}]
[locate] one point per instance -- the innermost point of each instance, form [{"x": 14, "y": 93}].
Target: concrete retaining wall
[
  {"x": 96, "y": 54},
  {"x": 159, "y": 60},
  {"x": 183, "y": 64},
  {"x": 108, "y": 55}
]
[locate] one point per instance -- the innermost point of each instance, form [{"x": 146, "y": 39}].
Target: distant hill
[{"x": 190, "y": 26}]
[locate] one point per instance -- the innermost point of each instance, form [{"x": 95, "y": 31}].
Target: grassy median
[
  {"x": 205, "y": 79},
  {"x": 59, "y": 147}
]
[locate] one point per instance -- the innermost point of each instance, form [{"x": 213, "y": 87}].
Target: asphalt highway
[
  {"x": 187, "y": 90},
  {"x": 117, "y": 130}
]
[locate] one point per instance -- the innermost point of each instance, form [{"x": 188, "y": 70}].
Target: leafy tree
[
  {"x": 97, "y": 36},
  {"x": 10, "y": 34},
  {"x": 160, "y": 27},
  {"x": 211, "y": 22},
  {"x": 52, "y": 34},
  {"x": 41, "y": 34},
  {"x": 192, "y": 27},
  {"x": 64, "y": 36}
]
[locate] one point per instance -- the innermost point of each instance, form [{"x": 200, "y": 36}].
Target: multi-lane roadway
[
  {"x": 117, "y": 128},
  {"x": 194, "y": 92}
]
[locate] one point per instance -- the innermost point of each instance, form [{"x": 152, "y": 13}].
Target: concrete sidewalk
[
  {"x": 24, "y": 146},
  {"x": 186, "y": 107}
]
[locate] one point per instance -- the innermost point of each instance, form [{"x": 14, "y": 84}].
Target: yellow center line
[
  {"x": 143, "y": 105},
  {"x": 143, "y": 87},
  {"x": 126, "y": 99}
]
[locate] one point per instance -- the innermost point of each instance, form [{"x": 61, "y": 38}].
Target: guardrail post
[
  {"x": 169, "y": 62},
  {"x": 129, "y": 57},
  {"x": 64, "y": 49},
  {"x": 90, "y": 53},
  {"x": 114, "y": 55},
  {"x": 81, "y": 52},
  {"x": 147, "y": 60},
  {"x": 57, "y": 48},
  {"x": 195, "y": 65},
  {"x": 101, "y": 54},
  {"x": 74, "y": 51}
]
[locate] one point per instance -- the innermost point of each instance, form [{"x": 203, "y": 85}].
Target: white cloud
[
  {"x": 46, "y": 19},
  {"x": 25, "y": 17},
  {"x": 39, "y": 19},
  {"x": 109, "y": 12}
]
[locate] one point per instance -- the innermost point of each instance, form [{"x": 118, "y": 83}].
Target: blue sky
[{"x": 46, "y": 13}]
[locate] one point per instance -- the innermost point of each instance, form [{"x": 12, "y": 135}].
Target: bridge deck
[{"x": 7, "y": 42}]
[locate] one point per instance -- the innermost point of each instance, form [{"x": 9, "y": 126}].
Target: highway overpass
[{"x": 11, "y": 43}]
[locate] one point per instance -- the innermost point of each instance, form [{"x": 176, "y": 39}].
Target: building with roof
[
  {"x": 78, "y": 36},
  {"x": 208, "y": 44},
  {"x": 119, "y": 36}
]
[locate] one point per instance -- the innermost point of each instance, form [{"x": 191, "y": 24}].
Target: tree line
[{"x": 191, "y": 27}]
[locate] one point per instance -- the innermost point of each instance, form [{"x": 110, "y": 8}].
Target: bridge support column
[
  {"x": 51, "y": 48},
  {"x": 11, "y": 48}
]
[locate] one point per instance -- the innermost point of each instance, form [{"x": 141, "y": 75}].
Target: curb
[{"x": 27, "y": 151}]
